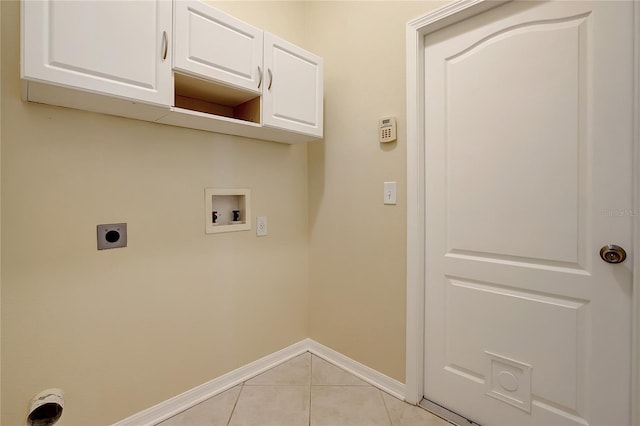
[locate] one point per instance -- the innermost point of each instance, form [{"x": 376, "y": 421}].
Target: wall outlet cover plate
[
  {"x": 112, "y": 235},
  {"x": 261, "y": 226}
]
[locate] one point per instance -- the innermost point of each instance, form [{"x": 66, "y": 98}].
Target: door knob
[{"x": 612, "y": 253}]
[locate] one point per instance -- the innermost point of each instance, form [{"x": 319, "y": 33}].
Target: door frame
[{"x": 416, "y": 239}]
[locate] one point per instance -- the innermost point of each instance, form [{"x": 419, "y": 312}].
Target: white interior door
[{"x": 528, "y": 156}]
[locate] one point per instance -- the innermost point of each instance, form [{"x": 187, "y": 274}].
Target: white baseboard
[
  {"x": 369, "y": 375},
  {"x": 188, "y": 399}
]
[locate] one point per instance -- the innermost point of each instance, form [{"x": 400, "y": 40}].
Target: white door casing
[{"x": 554, "y": 278}]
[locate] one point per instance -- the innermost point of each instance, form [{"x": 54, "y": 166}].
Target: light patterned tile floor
[{"x": 304, "y": 391}]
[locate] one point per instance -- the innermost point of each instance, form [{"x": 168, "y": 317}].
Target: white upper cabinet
[
  {"x": 213, "y": 45},
  {"x": 293, "y": 87},
  {"x": 117, "y": 48},
  {"x": 176, "y": 62}
]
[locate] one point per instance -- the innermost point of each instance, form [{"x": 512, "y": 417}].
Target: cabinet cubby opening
[{"x": 208, "y": 97}]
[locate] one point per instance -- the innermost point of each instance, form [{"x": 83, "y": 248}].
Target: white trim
[
  {"x": 369, "y": 375},
  {"x": 192, "y": 397},
  {"x": 416, "y": 30},
  {"x": 635, "y": 335},
  {"x": 451, "y": 13},
  {"x": 188, "y": 399},
  {"x": 415, "y": 215}
]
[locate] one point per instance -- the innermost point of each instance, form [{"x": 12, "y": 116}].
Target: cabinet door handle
[
  {"x": 270, "y": 78},
  {"x": 260, "y": 78},
  {"x": 165, "y": 45}
]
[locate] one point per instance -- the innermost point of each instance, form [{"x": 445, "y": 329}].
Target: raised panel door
[
  {"x": 293, "y": 92},
  {"x": 213, "y": 45},
  {"x": 108, "y": 47},
  {"x": 528, "y": 141}
]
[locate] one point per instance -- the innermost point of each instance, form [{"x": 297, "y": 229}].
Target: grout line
[
  {"x": 386, "y": 409},
  {"x": 313, "y": 359},
  {"x": 365, "y": 385},
  {"x": 233, "y": 410},
  {"x": 310, "y": 383}
]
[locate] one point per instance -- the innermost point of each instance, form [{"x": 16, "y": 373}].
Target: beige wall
[
  {"x": 358, "y": 245},
  {"x": 0, "y": 211},
  {"x": 177, "y": 308},
  {"x": 121, "y": 330},
  {"x": 282, "y": 18}
]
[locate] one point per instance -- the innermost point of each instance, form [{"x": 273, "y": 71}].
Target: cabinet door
[
  {"x": 213, "y": 45},
  {"x": 293, "y": 92},
  {"x": 109, "y": 47}
]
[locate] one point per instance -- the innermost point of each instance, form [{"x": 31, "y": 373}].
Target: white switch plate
[
  {"x": 389, "y": 192},
  {"x": 261, "y": 226}
]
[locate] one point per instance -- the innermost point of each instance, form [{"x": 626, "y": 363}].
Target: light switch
[{"x": 389, "y": 192}]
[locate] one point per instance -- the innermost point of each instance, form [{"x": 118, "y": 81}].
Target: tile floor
[{"x": 305, "y": 390}]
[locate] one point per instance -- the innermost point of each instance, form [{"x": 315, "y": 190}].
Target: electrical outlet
[
  {"x": 261, "y": 226},
  {"x": 112, "y": 235}
]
